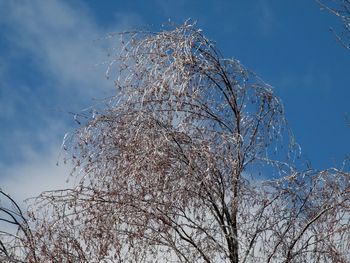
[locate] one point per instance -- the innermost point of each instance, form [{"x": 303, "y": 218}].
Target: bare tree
[
  {"x": 341, "y": 9},
  {"x": 191, "y": 161}
]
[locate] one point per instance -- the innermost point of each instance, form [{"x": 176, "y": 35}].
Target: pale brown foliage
[{"x": 186, "y": 164}]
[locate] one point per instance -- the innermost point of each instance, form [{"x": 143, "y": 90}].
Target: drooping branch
[
  {"x": 16, "y": 237},
  {"x": 340, "y": 9}
]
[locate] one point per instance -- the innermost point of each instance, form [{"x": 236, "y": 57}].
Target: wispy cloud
[
  {"x": 265, "y": 19},
  {"x": 309, "y": 79},
  {"x": 60, "y": 41},
  {"x": 50, "y": 51},
  {"x": 36, "y": 174}
]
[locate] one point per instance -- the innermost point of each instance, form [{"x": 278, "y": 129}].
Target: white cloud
[
  {"x": 37, "y": 174},
  {"x": 38, "y": 170},
  {"x": 62, "y": 42}
]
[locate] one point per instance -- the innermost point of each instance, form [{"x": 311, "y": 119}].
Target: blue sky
[{"x": 52, "y": 55}]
